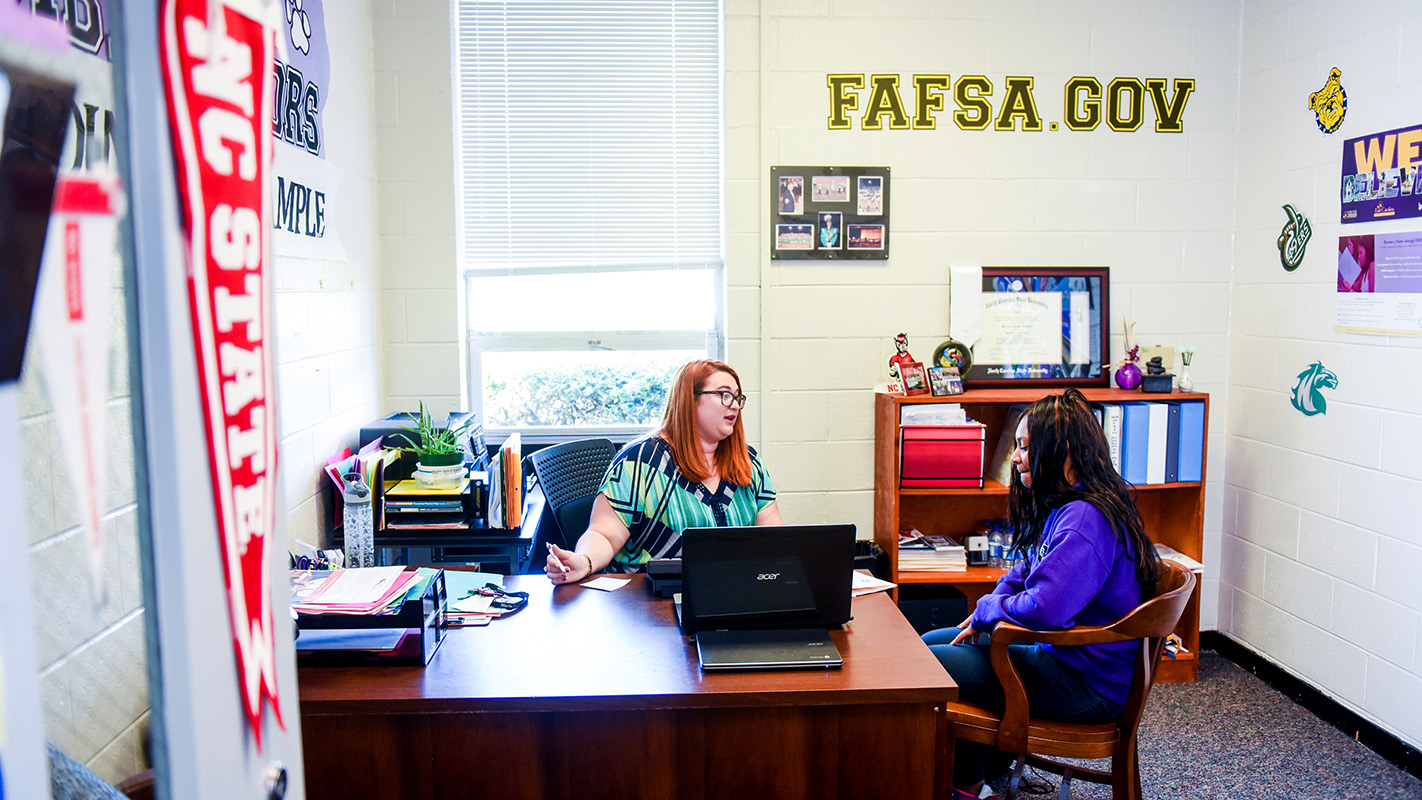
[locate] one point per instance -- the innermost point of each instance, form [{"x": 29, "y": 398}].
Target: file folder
[
  {"x": 1135, "y": 442},
  {"x": 1192, "y": 441}
]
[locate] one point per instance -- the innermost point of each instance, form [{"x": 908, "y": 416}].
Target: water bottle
[
  {"x": 995, "y": 546},
  {"x": 1009, "y": 558},
  {"x": 359, "y": 523}
]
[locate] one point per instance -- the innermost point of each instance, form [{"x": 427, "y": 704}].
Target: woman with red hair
[{"x": 696, "y": 470}]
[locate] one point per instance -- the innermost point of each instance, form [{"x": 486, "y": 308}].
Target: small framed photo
[
  {"x": 829, "y": 188},
  {"x": 870, "y": 195},
  {"x": 795, "y": 237},
  {"x": 945, "y": 381},
  {"x": 792, "y": 194},
  {"x": 831, "y": 230},
  {"x": 913, "y": 378},
  {"x": 866, "y": 237}
]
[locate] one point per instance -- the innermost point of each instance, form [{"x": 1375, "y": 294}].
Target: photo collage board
[{"x": 825, "y": 213}]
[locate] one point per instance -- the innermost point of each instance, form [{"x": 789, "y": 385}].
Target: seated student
[
  {"x": 696, "y": 470},
  {"x": 1086, "y": 561}
]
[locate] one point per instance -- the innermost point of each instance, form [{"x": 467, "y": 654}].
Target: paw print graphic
[{"x": 300, "y": 25}]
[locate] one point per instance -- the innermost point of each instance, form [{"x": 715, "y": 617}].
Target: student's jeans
[{"x": 1054, "y": 691}]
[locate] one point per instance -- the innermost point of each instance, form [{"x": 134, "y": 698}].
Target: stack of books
[
  {"x": 923, "y": 552},
  {"x": 409, "y": 505}
]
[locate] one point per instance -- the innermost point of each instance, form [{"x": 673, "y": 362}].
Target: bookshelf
[{"x": 1174, "y": 513}]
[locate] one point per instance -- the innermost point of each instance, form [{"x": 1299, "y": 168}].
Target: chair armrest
[
  {"x": 1016, "y": 712},
  {"x": 1086, "y": 634}
]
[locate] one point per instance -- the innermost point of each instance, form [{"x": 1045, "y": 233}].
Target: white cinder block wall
[
  {"x": 1322, "y": 545},
  {"x": 328, "y": 325},
  {"x": 1157, "y": 208},
  {"x": 414, "y": 129},
  {"x": 810, "y": 340}
]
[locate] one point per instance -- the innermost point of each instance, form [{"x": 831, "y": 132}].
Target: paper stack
[
  {"x": 1171, "y": 554},
  {"x": 372, "y": 590},
  {"x": 923, "y": 552}
]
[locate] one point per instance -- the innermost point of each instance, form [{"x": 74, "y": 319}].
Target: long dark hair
[{"x": 1062, "y": 426}]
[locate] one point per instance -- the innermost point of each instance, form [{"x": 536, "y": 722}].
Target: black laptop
[{"x": 766, "y": 594}]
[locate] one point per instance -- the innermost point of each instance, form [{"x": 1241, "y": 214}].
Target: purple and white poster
[
  {"x": 1380, "y": 176},
  {"x": 305, "y": 186},
  {"x": 1380, "y": 284}
]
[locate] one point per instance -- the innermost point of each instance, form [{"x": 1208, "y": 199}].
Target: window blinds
[{"x": 590, "y": 135}]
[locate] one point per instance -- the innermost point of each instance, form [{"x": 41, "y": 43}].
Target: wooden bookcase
[{"x": 1174, "y": 513}]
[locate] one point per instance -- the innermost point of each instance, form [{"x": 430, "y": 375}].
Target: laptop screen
[{"x": 771, "y": 576}]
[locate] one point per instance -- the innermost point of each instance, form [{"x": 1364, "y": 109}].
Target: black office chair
[{"x": 570, "y": 474}]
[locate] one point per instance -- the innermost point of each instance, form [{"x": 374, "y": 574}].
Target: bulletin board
[{"x": 829, "y": 213}]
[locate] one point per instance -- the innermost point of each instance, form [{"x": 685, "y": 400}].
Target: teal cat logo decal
[{"x": 1307, "y": 397}]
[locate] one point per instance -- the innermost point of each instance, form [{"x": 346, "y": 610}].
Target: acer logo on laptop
[{"x": 767, "y": 576}]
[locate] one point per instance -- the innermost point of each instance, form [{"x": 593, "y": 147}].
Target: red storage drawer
[{"x": 941, "y": 456}]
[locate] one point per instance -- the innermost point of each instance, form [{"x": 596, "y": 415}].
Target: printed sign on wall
[
  {"x": 305, "y": 186},
  {"x": 1380, "y": 175},
  {"x": 885, "y": 100},
  {"x": 219, "y": 111},
  {"x": 1380, "y": 284}
]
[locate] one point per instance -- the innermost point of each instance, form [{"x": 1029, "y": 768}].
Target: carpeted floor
[{"x": 1233, "y": 736}]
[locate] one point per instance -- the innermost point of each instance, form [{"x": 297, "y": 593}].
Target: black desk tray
[{"x": 421, "y": 619}]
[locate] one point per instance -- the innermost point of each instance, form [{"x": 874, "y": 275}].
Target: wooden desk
[{"x": 588, "y": 694}]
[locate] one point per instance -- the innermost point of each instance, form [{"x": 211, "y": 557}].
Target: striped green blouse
[{"x": 656, "y": 502}]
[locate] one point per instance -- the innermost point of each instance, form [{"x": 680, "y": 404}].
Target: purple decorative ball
[{"x": 1128, "y": 376}]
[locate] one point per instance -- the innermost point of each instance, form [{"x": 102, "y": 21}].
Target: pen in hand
[{"x": 561, "y": 565}]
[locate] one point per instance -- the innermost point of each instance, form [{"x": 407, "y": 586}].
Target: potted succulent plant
[{"x": 434, "y": 445}]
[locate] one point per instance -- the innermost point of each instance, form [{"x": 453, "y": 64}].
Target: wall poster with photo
[{"x": 824, "y": 213}]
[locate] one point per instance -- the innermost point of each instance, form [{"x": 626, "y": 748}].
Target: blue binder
[
  {"x": 1135, "y": 442},
  {"x": 1191, "y": 441},
  {"x": 1172, "y": 444}
]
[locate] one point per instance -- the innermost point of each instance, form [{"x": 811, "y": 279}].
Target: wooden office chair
[
  {"x": 1015, "y": 730},
  {"x": 570, "y": 474}
]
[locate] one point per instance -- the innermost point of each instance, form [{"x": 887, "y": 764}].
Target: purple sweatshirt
[{"x": 1080, "y": 574}]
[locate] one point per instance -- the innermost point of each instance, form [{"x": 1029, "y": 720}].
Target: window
[{"x": 590, "y": 206}]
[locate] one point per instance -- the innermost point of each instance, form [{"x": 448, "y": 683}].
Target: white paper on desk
[
  {"x": 357, "y": 586},
  {"x": 605, "y": 583},
  {"x": 868, "y": 584}
]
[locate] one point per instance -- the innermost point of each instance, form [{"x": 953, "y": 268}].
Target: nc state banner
[{"x": 217, "y": 57}]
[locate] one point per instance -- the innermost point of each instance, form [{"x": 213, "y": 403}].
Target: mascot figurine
[{"x": 900, "y": 357}]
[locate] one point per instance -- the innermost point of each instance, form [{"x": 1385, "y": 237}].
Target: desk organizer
[{"x": 421, "y": 618}]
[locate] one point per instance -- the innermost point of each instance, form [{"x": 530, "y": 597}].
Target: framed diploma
[{"x": 1042, "y": 326}]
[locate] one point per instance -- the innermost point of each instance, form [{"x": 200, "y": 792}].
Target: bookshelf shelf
[{"x": 1173, "y": 512}]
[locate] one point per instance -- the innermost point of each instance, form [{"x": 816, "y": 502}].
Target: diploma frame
[{"x": 1096, "y": 282}]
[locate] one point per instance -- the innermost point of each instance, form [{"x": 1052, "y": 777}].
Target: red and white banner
[
  {"x": 72, "y": 322},
  {"x": 217, "y": 64}
]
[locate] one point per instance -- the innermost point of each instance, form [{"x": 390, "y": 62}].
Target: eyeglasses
[{"x": 729, "y": 398}]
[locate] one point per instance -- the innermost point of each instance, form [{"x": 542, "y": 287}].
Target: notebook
[{"x": 766, "y": 594}]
